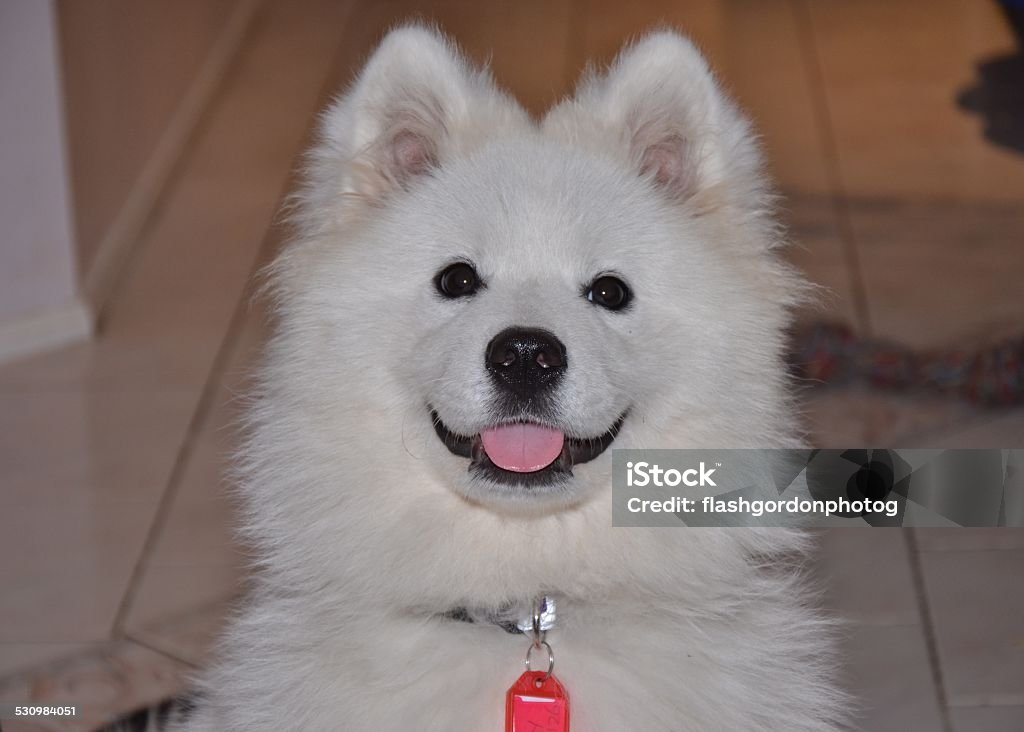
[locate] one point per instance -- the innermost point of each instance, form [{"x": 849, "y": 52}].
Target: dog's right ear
[{"x": 415, "y": 104}]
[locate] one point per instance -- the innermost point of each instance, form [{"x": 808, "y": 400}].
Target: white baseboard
[
  {"x": 124, "y": 231},
  {"x": 39, "y": 331}
]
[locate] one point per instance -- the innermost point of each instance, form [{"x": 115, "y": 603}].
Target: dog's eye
[
  {"x": 609, "y": 292},
  {"x": 457, "y": 280}
]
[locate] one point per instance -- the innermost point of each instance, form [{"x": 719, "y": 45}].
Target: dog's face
[
  {"x": 503, "y": 302},
  {"x": 530, "y": 313}
]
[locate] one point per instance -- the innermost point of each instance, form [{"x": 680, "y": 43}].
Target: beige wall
[
  {"x": 127, "y": 67},
  {"x": 37, "y": 269}
]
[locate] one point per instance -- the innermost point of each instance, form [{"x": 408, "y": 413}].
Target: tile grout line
[
  {"x": 127, "y": 227},
  {"x": 203, "y": 408},
  {"x": 224, "y": 351},
  {"x": 838, "y": 194},
  {"x": 117, "y": 280},
  {"x": 966, "y": 423},
  {"x": 132, "y": 638},
  {"x": 928, "y": 629}
]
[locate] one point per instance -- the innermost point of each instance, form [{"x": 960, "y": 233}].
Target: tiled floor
[{"x": 114, "y": 522}]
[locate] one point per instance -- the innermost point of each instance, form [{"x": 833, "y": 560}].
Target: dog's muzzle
[{"x": 525, "y": 447}]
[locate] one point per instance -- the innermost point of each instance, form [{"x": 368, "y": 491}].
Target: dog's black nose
[{"x": 525, "y": 361}]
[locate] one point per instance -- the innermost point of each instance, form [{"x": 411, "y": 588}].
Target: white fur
[{"x": 368, "y": 529}]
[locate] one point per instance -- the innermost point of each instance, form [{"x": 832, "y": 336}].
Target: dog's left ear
[{"x": 661, "y": 111}]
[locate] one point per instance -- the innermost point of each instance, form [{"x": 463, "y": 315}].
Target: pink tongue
[{"x": 522, "y": 448}]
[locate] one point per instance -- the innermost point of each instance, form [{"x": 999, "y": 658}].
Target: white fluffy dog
[{"x": 476, "y": 309}]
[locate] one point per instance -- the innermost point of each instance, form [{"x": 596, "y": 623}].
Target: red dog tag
[{"x": 530, "y": 707}]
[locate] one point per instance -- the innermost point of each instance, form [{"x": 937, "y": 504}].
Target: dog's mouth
[{"x": 524, "y": 454}]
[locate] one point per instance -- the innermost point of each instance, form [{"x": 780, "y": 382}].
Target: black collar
[{"x": 463, "y": 615}]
